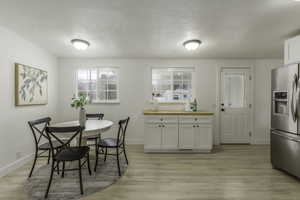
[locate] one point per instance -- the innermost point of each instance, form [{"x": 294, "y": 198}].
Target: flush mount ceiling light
[
  {"x": 80, "y": 44},
  {"x": 192, "y": 45}
]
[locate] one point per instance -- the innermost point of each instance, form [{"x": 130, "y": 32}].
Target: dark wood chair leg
[
  {"x": 124, "y": 150},
  {"x": 96, "y": 162},
  {"x": 63, "y": 170},
  {"x": 50, "y": 180},
  {"x": 33, "y": 165},
  {"x": 49, "y": 155},
  {"x": 105, "y": 154},
  {"x": 80, "y": 177},
  {"x": 118, "y": 162},
  {"x": 101, "y": 149},
  {"x": 57, "y": 167},
  {"x": 88, "y": 163},
  {"x": 96, "y": 146}
]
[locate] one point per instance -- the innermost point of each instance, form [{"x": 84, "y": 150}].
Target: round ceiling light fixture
[
  {"x": 80, "y": 44},
  {"x": 192, "y": 45}
]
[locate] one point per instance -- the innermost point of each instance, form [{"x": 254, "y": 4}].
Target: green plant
[{"x": 80, "y": 102}]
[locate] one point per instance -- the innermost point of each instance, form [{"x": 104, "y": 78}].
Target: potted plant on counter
[{"x": 80, "y": 102}]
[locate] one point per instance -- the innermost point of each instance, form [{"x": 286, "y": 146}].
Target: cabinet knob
[
  {"x": 193, "y": 126},
  {"x": 161, "y": 119},
  {"x": 196, "y": 119}
]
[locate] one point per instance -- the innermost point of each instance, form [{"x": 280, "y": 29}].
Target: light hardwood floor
[{"x": 233, "y": 172}]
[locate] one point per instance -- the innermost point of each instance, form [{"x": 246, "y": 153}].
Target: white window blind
[
  {"x": 172, "y": 84},
  {"x": 101, "y": 85}
]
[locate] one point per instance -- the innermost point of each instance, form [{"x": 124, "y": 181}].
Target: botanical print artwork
[{"x": 31, "y": 85}]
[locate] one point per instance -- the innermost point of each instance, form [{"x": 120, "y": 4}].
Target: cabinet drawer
[
  {"x": 195, "y": 119},
  {"x": 161, "y": 119}
]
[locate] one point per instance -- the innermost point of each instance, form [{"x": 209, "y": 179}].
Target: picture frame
[{"x": 31, "y": 85}]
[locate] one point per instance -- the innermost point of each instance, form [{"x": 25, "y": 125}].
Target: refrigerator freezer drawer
[{"x": 285, "y": 152}]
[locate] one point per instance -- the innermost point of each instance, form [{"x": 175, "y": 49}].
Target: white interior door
[{"x": 235, "y": 105}]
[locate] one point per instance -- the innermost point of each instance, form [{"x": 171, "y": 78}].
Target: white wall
[
  {"x": 135, "y": 89},
  {"x": 16, "y": 142},
  {"x": 262, "y": 109}
]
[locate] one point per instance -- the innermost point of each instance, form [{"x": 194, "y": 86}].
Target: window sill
[
  {"x": 105, "y": 102},
  {"x": 168, "y": 102}
]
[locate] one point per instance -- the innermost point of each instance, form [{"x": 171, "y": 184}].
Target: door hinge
[
  {"x": 250, "y": 134},
  {"x": 250, "y": 78}
]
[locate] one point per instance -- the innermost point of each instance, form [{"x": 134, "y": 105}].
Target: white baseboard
[
  {"x": 134, "y": 141},
  {"x": 15, "y": 165},
  {"x": 261, "y": 141}
]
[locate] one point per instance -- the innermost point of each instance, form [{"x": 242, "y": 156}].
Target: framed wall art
[{"x": 31, "y": 85}]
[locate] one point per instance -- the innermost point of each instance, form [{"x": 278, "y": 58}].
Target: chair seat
[
  {"x": 108, "y": 142},
  {"x": 46, "y": 146},
  {"x": 72, "y": 153}
]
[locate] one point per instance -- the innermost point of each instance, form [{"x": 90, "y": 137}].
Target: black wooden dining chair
[
  {"x": 95, "y": 138},
  {"x": 41, "y": 145},
  {"x": 115, "y": 143},
  {"x": 67, "y": 153}
]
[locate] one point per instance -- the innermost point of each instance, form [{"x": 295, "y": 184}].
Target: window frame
[
  {"x": 193, "y": 83},
  {"x": 116, "y": 101}
]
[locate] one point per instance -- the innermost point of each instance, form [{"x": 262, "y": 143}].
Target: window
[
  {"x": 234, "y": 90},
  {"x": 172, "y": 84},
  {"x": 99, "y": 84}
]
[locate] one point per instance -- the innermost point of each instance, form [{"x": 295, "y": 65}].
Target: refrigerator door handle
[{"x": 295, "y": 98}]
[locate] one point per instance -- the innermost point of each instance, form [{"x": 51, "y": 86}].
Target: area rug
[{"x": 67, "y": 188}]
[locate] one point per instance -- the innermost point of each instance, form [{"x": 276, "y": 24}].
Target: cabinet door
[
  {"x": 153, "y": 135},
  {"x": 292, "y": 50},
  {"x": 203, "y": 139},
  {"x": 186, "y": 136},
  {"x": 170, "y": 136}
]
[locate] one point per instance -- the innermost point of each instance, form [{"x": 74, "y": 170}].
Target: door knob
[{"x": 222, "y": 109}]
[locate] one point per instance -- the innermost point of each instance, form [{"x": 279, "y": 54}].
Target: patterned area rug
[{"x": 67, "y": 188}]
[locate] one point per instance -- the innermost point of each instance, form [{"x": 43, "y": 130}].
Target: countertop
[{"x": 175, "y": 112}]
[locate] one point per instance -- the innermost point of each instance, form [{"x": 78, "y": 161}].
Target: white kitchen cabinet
[
  {"x": 186, "y": 136},
  {"x": 161, "y": 132},
  {"x": 203, "y": 140},
  {"x": 178, "y": 133},
  {"x": 292, "y": 50},
  {"x": 152, "y": 136},
  {"x": 169, "y": 136},
  {"x": 195, "y": 133}
]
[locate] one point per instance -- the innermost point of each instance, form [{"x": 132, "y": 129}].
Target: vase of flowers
[{"x": 79, "y": 103}]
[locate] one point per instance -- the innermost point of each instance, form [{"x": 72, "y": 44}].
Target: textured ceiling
[{"x": 155, "y": 28}]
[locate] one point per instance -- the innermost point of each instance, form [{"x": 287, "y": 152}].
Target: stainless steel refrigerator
[{"x": 285, "y": 120}]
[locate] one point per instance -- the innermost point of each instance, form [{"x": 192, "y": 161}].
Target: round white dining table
[{"x": 92, "y": 127}]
